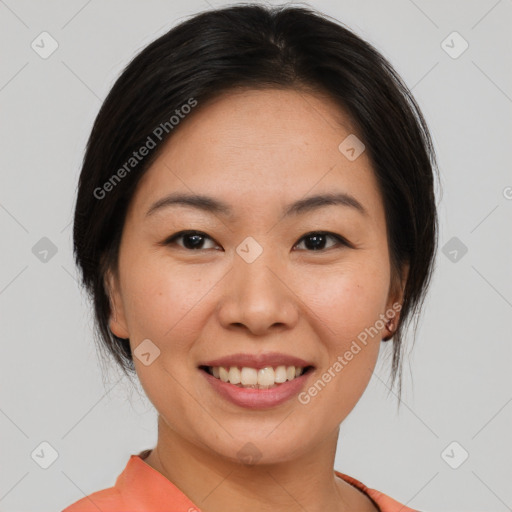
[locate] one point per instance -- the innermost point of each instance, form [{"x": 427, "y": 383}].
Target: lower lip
[{"x": 257, "y": 398}]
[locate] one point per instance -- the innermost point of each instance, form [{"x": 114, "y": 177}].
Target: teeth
[
  {"x": 248, "y": 376},
  {"x": 263, "y": 378},
  {"x": 223, "y": 374},
  {"x": 234, "y": 375},
  {"x": 266, "y": 376},
  {"x": 280, "y": 375}
]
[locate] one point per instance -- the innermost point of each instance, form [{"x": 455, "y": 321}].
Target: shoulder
[
  {"x": 383, "y": 502},
  {"x": 107, "y": 500}
]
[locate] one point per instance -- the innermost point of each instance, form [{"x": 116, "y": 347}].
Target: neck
[{"x": 216, "y": 484}]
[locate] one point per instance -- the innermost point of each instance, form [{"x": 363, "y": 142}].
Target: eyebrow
[{"x": 215, "y": 206}]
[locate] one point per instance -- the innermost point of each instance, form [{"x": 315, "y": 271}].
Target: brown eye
[
  {"x": 192, "y": 240},
  {"x": 316, "y": 240}
]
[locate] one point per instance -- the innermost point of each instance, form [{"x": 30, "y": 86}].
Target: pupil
[
  {"x": 194, "y": 245},
  {"x": 319, "y": 241},
  {"x": 314, "y": 242}
]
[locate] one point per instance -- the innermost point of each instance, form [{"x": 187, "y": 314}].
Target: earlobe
[{"x": 117, "y": 321}]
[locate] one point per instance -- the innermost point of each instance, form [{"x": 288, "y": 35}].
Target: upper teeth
[{"x": 267, "y": 376}]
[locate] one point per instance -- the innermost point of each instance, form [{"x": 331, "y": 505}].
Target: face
[{"x": 260, "y": 284}]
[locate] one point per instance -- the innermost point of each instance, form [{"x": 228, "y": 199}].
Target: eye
[
  {"x": 314, "y": 241},
  {"x": 317, "y": 240},
  {"x": 192, "y": 240}
]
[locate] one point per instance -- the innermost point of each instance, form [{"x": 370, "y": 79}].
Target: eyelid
[
  {"x": 187, "y": 232},
  {"x": 340, "y": 239}
]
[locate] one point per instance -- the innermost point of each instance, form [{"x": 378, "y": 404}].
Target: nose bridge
[
  {"x": 256, "y": 295},
  {"x": 256, "y": 265}
]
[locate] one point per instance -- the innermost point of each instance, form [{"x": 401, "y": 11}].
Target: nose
[{"x": 259, "y": 297}]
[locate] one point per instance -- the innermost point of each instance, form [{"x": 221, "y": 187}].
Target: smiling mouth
[{"x": 251, "y": 378}]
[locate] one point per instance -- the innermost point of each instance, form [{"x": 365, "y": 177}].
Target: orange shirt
[{"x": 141, "y": 488}]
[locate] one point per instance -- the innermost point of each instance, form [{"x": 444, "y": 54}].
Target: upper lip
[{"x": 257, "y": 361}]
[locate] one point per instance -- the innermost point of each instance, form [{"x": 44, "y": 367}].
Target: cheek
[
  {"x": 347, "y": 307},
  {"x": 349, "y": 299},
  {"x": 164, "y": 304},
  {"x": 164, "y": 301}
]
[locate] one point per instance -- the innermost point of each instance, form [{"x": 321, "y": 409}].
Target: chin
[{"x": 259, "y": 448}]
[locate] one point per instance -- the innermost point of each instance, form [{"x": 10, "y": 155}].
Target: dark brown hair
[{"x": 253, "y": 46}]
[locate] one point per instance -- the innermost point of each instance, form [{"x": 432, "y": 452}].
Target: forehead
[{"x": 258, "y": 147}]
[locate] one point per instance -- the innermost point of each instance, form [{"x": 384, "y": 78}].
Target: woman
[{"x": 255, "y": 214}]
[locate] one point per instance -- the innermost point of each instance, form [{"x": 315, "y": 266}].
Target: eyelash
[{"x": 341, "y": 241}]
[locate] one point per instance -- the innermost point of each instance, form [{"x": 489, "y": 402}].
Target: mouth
[
  {"x": 257, "y": 381},
  {"x": 247, "y": 377}
]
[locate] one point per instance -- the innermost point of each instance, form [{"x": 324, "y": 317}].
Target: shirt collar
[{"x": 140, "y": 484}]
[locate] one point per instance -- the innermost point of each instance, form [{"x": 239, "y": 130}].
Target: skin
[{"x": 257, "y": 150}]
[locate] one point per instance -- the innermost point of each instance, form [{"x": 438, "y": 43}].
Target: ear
[
  {"x": 395, "y": 301},
  {"x": 117, "y": 320},
  {"x": 396, "y": 291}
]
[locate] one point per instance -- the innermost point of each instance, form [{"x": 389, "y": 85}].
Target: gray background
[{"x": 457, "y": 380}]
